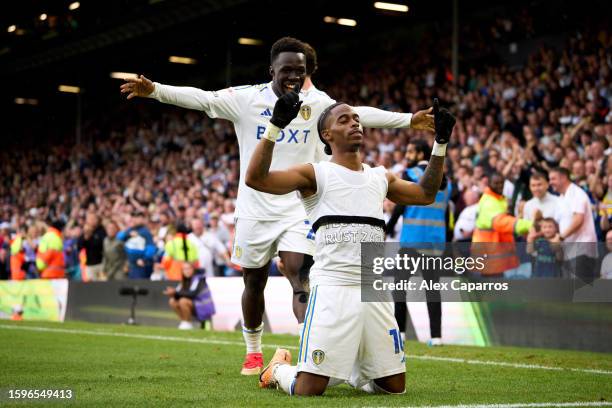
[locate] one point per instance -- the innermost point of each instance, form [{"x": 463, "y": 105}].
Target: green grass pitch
[{"x": 121, "y": 366}]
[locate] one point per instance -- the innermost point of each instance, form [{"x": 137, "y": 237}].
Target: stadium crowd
[{"x": 117, "y": 200}]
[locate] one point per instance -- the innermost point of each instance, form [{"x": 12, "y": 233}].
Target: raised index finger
[{"x": 436, "y": 106}]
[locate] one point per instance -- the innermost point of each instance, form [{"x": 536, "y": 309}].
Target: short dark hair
[
  {"x": 536, "y": 175},
  {"x": 549, "y": 219},
  {"x": 286, "y": 44},
  {"x": 421, "y": 146},
  {"x": 561, "y": 170},
  {"x": 321, "y": 124},
  {"x": 311, "y": 59}
]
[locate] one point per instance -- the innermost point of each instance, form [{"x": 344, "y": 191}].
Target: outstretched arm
[
  {"x": 378, "y": 118},
  {"x": 219, "y": 104}
]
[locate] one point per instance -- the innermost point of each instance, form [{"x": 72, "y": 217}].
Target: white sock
[
  {"x": 252, "y": 338},
  {"x": 284, "y": 374},
  {"x": 300, "y": 328}
]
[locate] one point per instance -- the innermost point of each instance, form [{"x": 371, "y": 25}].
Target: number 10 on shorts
[{"x": 397, "y": 340}]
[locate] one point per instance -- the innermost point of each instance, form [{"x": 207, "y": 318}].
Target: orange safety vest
[
  {"x": 493, "y": 238},
  {"x": 17, "y": 259},
  {"x": 50, "y": 256}
]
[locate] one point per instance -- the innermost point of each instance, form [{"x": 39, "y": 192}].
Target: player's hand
[
  {"x": 141, "y": 86},
  {"x": 286, "y": 108},
  {"x": 444, "y": 121},
  {"x": 423, "y": 120}
]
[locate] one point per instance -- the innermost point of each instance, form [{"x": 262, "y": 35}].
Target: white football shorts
[
  {"x": 256, "y": 242},
  {"x": 347, "y": 339}
]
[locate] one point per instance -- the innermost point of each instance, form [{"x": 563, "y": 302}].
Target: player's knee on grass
[
  {"x": 394, "y": 384},
  {"x": 307, "y": 384}
]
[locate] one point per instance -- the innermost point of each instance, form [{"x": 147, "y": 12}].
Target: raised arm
[
  {"x": 218, "y": 104},
  {"x": 258, "y": 176},
  {"x": 424, "y": 192}
]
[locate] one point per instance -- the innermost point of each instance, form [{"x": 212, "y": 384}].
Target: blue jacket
[
  {"x": 425, "y": 223},
  {"x": 138, "y": 245}
]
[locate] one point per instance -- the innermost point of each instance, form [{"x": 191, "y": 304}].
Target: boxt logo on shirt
[{"x": 287, "y": 135}]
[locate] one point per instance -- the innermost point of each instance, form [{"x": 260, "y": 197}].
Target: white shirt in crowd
[
  {"x": 606, "y": 267},
  {"x": 466, "y": 222},
  {"x": 549, "y": 205},
  {"x": 208, "y": 246},
  {"x": 576, "y": 201}
]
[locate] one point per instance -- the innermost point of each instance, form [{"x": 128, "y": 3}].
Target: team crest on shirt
[
  {"x": 318, "y": 356},
  {"x": 238, "y": 251},
  {"x": 305, "y": 111}
]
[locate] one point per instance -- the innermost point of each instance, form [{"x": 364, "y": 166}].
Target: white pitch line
[
  {"x": 525, "y": 405},
  {"x": 274, "y": 346}
]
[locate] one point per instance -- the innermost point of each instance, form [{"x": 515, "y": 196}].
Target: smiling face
[
  {"x": 548, "y": 228},
  {"x": 497, "y": 184},
  {"x": 343, "y": 130},
  {"x": 287, "y": 70},
  {"x": 538, "y": 187}
]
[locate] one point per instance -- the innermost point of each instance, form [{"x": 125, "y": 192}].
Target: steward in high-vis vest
[
  {"x": 178, "y": 250},
  {"x": 50, "y": 256},
  {"x": 495, "y": 229},
  {"x": 424, "y": 229},
  {"x": 17, "y": 258}
]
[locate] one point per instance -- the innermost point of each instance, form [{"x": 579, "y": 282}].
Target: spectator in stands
[
  {"x": 139, "y": 247},
  {"x": 50, "y": 256},
  {"x": 605, "y": 207},
  {"x": 5, "y": 250},
  {"x": 92, "y": 241},
  {"x": 495, "y": 229},
  {"x": 177, "y": 251},
  {"x": 466, "y": 222},
  {"x": 30, "y": 246},
  {"x": 548, "y": 204},
  {"x": 544, "y": 245},
  {"x": 577, "y": 225},
  {"x": 191, "y": 298},
  {"x": 114, "y": 257},
  {"x": 209, "y": 247},
  {"x": 606, "y": 264},
  {"x": 72, "y": 235}
]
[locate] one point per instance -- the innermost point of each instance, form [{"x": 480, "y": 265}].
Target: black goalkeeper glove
[
  {"x": 444, "y": 122},
  {"x": 286, "y": 108}
]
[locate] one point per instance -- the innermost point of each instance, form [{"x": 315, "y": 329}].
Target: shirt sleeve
[
  {"x": 378, "y": 118},
  {"x": 580, "y": 203},
  {"x": 223, "y": 104}
]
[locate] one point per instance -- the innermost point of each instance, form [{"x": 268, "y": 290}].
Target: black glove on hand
[
  {"x": 286, "y": 108},
  {"x": 444, "y": 122}
]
